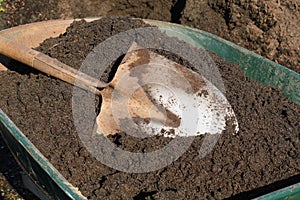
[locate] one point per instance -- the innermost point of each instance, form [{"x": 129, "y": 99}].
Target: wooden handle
[{"x": 49, "y": 65}]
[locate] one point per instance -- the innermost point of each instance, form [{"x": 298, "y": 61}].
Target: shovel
[{"x": 183, "y": 104}]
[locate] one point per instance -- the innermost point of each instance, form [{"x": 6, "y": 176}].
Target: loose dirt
[
  {"x": 270, "y": 28},
  {"x": 263, "y": 156}
]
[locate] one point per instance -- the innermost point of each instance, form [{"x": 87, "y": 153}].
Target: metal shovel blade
[{"x": 151, "y": 94}]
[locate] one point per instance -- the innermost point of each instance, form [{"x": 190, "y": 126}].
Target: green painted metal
[
  {"x": 254, "y": 66},
  {"x": 288, "y": 193},
  {"x": 50, "y": 181}
]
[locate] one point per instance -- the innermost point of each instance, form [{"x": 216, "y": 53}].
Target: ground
[{"x": 269, "y": 28}]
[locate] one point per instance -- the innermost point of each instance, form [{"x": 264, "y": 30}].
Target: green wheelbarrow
[{"x": 46, "y": 182}]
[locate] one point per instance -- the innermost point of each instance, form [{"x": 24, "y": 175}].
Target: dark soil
[
  {"x": 270, "y": 28},
  {"x": 264, "y": 154}
]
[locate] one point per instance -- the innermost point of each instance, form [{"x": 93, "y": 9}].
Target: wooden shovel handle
[{"x": 49, "y": 65}]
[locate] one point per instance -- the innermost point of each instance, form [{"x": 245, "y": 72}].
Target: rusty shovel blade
[{"x": 151, "y": 94}]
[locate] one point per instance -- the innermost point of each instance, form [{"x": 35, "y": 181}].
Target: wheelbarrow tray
[{"x": 52, "y": 183}]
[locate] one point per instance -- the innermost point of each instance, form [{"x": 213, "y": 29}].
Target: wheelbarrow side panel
[{"x": 45, "y": 176}]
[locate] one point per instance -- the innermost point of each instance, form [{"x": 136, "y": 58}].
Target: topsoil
[
  {"x": 261, "y": 157},
  {"x": 270, "y": 28}
]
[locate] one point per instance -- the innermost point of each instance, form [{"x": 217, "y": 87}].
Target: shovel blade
[{"x": 151, "y": 94}]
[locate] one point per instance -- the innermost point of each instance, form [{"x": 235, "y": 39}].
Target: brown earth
[
  {"x": 270, "y": 28},
  {"x": 236, "y": 168}
]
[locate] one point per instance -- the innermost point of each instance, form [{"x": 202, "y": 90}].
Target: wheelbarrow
[{"x": 46, "y": 182}]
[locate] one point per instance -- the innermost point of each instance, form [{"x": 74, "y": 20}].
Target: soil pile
[
  {"x": 270, "y": 28},
  {"x": 265, "y": 151}
]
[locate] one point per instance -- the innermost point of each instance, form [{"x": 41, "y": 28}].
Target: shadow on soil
[
  {"x": 12, "y": 172},
  {"x": 267, "y": 189},
  {"x": 176, "y": 11}
]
